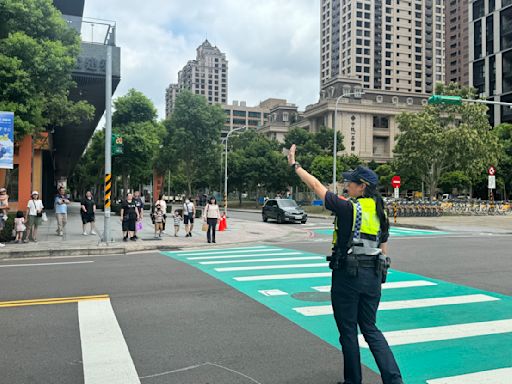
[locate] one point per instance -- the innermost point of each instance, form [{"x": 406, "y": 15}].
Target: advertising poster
[{"x": 6, "y": 139}]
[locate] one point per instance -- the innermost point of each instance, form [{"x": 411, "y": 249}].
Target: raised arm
[{"x": 311, "y": 181}]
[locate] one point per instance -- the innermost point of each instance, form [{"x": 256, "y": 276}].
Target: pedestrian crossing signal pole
[{"x": 108, "y": 146}]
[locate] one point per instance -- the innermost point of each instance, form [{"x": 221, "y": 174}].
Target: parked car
[{"x": 283, "y": 210}]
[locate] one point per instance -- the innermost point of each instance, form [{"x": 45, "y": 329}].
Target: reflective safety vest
[{"x": 365, "y": 228}]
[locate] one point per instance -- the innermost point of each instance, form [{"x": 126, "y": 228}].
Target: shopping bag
[
  {"x": 44, "y": 217},
  {"x": 204, "y": 228},
  {"x": 139, "y": 226}
]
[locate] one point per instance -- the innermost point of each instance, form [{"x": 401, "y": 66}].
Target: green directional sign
[
  {"x": 117, "y": 144},
  {"x": 441, "y": 99}
]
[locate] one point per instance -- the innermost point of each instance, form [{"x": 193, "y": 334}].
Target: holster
[{"x": 383, "y": 264}]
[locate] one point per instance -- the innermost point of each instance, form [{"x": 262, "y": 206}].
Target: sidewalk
[
  {"x": 74, "y": 243},
  {"x": 487, "y": 224}
]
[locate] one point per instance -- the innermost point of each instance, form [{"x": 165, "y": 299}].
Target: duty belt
[{"x": 366, "y": 261}]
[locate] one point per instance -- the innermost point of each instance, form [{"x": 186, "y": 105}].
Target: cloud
[{"x": 272, "y": 46}]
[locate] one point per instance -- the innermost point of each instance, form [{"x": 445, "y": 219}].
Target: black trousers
[
  {"x": 210, "y": 234},
  {"x": 355, "y": 301}
]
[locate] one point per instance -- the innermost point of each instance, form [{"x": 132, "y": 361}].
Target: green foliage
[
  {"x": 322, "y": 165},
  {"x": 454, "y": 179},
  {"x": 444, "y": 138},
  {"x": 192, "y": 141},
  {"x": 38, "y": 52},
  {"x": 385, "y": 173},
  {"x": 504, "y": 170}
]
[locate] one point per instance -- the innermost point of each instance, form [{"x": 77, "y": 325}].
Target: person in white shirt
[
  {"x": 163, "y": 205},
  {"x": 189, "y": 212},
  {"x": 210, "y": 216},
  {"x": 34, "y": 216}
]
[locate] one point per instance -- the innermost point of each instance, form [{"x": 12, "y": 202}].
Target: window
[
  {"x": 479, "y": 76},
  {"x": 506, "y": 28},
  {"x": 285, "y": 117},
  {"x": 380, "y": 121},
  {"x": 478, "y": 40}
]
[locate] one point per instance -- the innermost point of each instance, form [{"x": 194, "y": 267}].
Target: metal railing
[{"x": 98, "y": 31}]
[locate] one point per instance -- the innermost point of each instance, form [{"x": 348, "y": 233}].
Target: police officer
[{"x": 359, "y": 267}]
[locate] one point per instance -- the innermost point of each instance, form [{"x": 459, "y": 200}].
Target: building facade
[
  {"x": 396, "y": 46},
  {"x": 280, "y": 119},
  {"x": 366, "y": 120},
  {"x": 490, "y": 54},
  {"x": 457, "y": 41},
  {"x": 207, "y": 75}
]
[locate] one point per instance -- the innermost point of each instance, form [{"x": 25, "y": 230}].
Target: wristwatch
[{"x": 296, "y": 166}]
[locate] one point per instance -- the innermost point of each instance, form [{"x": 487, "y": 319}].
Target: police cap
[{"x": 362, "y": 175}]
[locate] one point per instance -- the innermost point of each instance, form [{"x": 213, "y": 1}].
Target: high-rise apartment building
[
  {"x": 490, "y": 54},
  {"x": 394, "y": 45},
  {"x": 207, "y": 75},
  {"x": 456, "y": 41}
]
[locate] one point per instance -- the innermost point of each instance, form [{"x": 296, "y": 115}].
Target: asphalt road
[{"x": 184, "y": 326}]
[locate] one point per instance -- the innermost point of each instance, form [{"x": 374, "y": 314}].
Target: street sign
[
  {"x": 397, "y": 193},
  {"x": 442, "y": 99},
  {"x": 117, "y": 144},
  {"x": 395, "y": 181},
  {"x": 492, "y": 182},
  {"x": 491, "y": 171}
]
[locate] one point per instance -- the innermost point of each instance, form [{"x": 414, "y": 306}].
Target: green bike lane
[
  {"x": 436, "y": 329},
  {"x": 394, "y": 232}
]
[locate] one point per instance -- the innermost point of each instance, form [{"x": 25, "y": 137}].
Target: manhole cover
[{"x": 312, "y": 296}]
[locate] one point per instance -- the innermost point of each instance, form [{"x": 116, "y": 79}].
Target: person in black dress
[
  {"x": 87, "y": 211},
  {"x": 129, "y": 217}
]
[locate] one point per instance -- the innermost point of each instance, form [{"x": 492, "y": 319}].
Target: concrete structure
[
  {"x": 280, "y": 119},
  {"x": 207, "y": 75},
  {"x": 367, "y": 122},
  {"x": 490, "y": 54},
  {"x": 394, "y": 46},
  {"x": 456, "y": 41},
  {"x": 46, "y": 160}
]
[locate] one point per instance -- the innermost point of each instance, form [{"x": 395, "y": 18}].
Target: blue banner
[{"x": 6, "y": 139}]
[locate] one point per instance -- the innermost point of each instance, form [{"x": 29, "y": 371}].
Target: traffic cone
[{"x": 223, "y": 223}]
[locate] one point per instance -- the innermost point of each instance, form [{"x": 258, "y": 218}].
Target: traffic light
[
  {"x": 117, "y": 144},
  {"x": 441, "y": 99}
]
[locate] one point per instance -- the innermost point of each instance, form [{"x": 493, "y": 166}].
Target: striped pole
[
  {"x": 107, "y": 238},
  {"x": 108, "y": 190}
]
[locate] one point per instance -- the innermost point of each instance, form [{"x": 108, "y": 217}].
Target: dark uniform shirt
[{"x": 344, "y": 210}]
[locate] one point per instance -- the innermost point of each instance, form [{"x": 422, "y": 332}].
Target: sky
[{"x": 272, "y": 46}]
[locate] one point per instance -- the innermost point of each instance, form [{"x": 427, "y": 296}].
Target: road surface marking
[
  {"x": 263, "y": 260},
  {"x": 496, "y": 376},
  {"x": 283, "y": 277},
  {"x": 391, "y": 285},
  {"x": 262, "y": 267},
  {"x": 45, "y": 264},
  {"x": 228, "y": 252},
  {"x": 272, "y": 292},
  {"x": 320, "y": 310},
  {"x": 447, "y": 332},
  {"x": 57, "y": 300},
  {"x": 105, "y": 355},
  {"x": 238, "y": 256},
  {"x": 180, "y": 253}
]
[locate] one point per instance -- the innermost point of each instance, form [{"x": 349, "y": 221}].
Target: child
[
  {"x": 19, "y": 226},
  {"x": 159, "y": 221},
  {"x": 177, "y": 220}
]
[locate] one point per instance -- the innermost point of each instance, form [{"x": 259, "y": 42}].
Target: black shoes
[
  {"x": 125, "y": 238},
  {"x": 133, "y": 238}
]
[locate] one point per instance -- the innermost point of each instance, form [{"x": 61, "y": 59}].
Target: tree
[
  {"x": 134, "y": 120},
  {"x": 504, "y": 170},
  {"x": 192, "y": 141},
  {"x": 442, "y": 138},
  {"x": 454, "y": 180},
  {"x": 385, "y": 173},
  {"x": 38, "y": 52},
  {"x": 321, "y": 168}
]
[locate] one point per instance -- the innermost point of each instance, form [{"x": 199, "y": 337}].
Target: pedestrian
[
  {"x": 129, "y": 217},
  {"x": 359, "y": 266},
  {"x": 159, "y": 220},
  {"x": 189, "y": 212},
  {"x": 61, "y": 210},
  {"x": 177, "y": 221},
  {"x": 140, "y": 208},
  {"x": 19, "y": 226},
  {"x": 210, "y": 216},
  {"x": 4, "y": 209},
  {"x": 35, "y": 210},
  {"x": 163, "y": 205},
  {"x": 88, "y": 212}
]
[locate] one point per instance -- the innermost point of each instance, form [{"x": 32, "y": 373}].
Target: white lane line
[
  {"x": 241, "y": 252},
  {"x": 320, "y": 310},
  {"x": 45, "y": 264},
  {"x": 447, "y": 332},
  {"x": 284, "y": 276},
  {"x": 239, "y": 256},
  {"x": 263, "y": 267},
  {"x": 496, "y": 376},
  {"x": 222, "y": 249},
  {"x": 263, "y": 260},
  {"x": 272, "y": 292},
  {"x": 390, "y": 285},
  {"x": 105, "y": 355}
]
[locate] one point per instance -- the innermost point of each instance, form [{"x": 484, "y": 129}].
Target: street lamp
[
  {"x": 226, "y": 169},
  {"x": 335, "y": 146}
]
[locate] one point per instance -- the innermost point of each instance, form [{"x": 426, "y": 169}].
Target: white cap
[{"x": 34, "y": 193}]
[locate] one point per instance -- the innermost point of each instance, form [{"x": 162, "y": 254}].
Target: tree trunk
[{"x": 240, "y": 198}]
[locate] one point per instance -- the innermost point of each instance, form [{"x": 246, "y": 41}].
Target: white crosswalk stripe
[
  {"x": 495, "y": 376},
  {"x": 265, "y": 267},
  {"x": 320, "y": 310},
  {"x": 390, "y": 285},
  {"x": 242, "y": 251},
  {"x": 245, "y": 256},
  {"x": 262, "y": 260},
  {"x": 284, "y": 276}
]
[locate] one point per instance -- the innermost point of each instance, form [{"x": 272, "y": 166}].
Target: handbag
[
  {"x": 13, "y": 233},
  {"x": 44, "y": 217},
  {"x": 204, "y": 227},
  {"x": 139, "y": 226}
]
